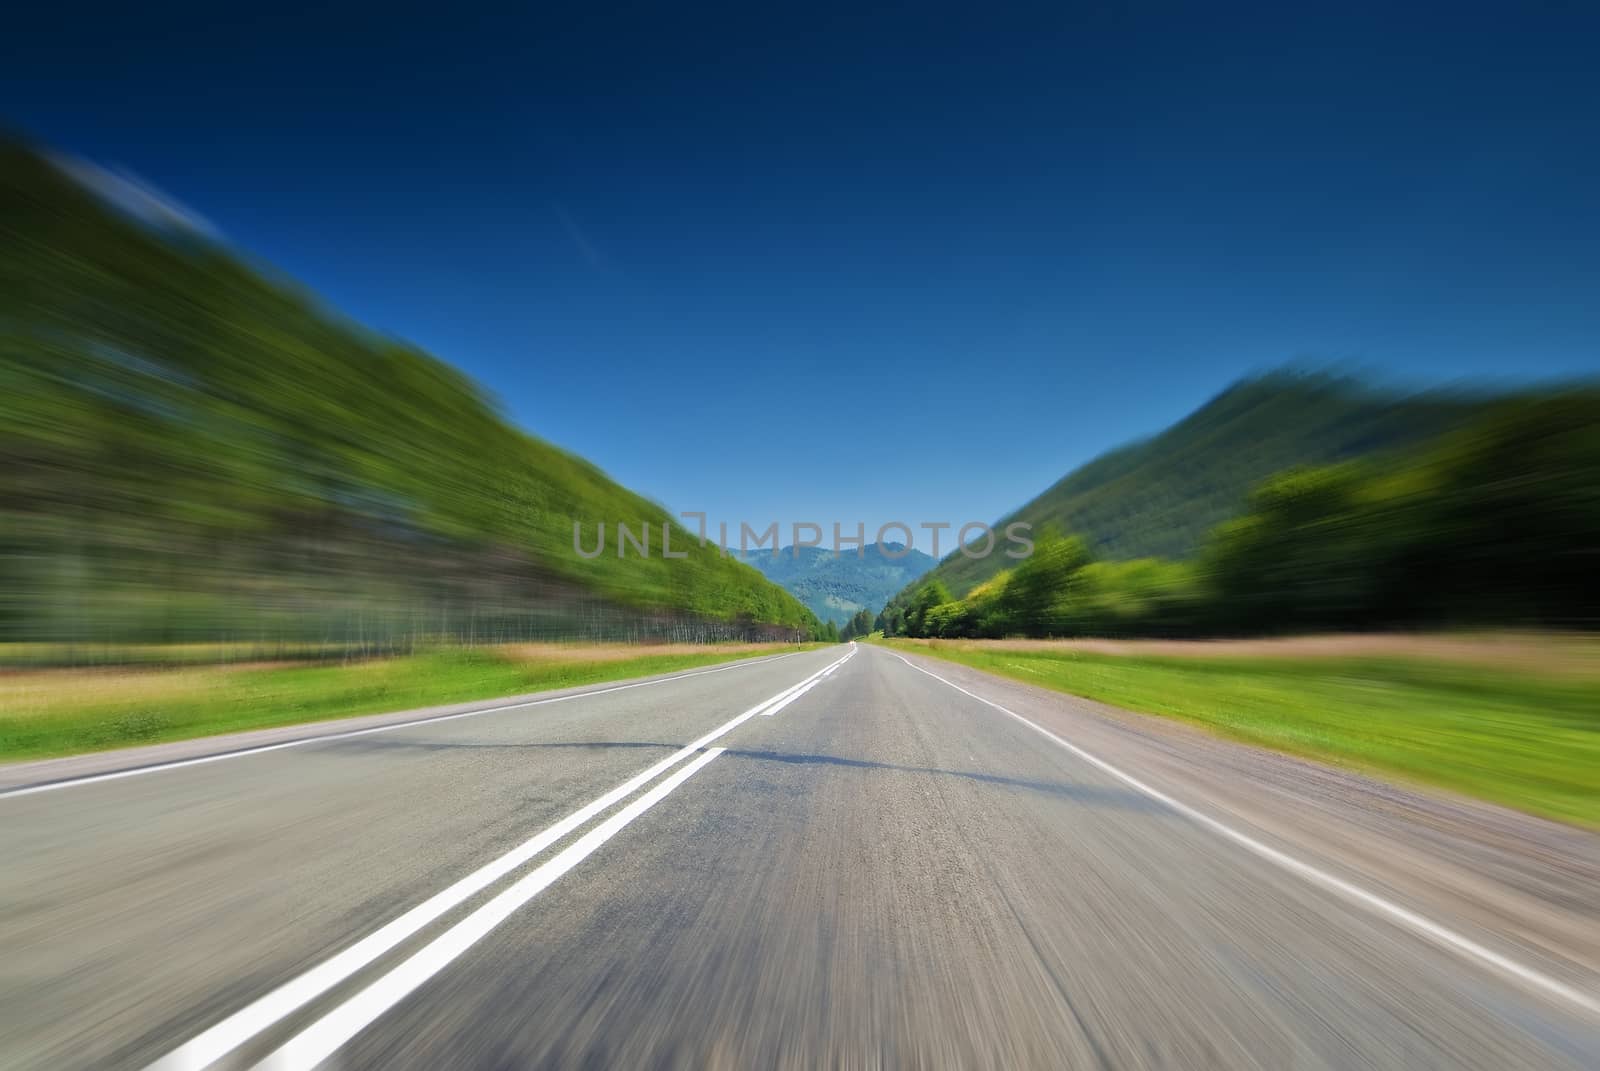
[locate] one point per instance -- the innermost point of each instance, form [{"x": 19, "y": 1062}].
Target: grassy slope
[
  {"x": 161, "y": 400},
  {"x": 1160, "y": 497},
  {"x": 1528, "y": 741},
  {"x": 50, "y": 713}
]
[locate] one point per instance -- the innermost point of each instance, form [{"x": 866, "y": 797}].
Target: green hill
[
  {"x": 1161, "y": 496},
  {"x": 189, "y": 450},
  {"x": 1489, "y": 525},
  {"x": 836, "y": 586}
]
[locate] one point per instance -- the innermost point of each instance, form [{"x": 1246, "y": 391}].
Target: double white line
[{"x": 323, "y": 1037}]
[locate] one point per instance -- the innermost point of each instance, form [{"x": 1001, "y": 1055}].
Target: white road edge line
[
  {"x": 159, "y": 767},
  {"x": 217, "y": 1041},
  {"x": 1419, "y": 924},
  {"x": 323, "y": 1038}
]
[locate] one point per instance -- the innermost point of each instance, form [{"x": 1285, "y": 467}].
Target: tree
[
  {"x": 929, "y": 595},
  {"x": 1035, "y": 597},
  {"x": 860, "y": 624},
  {"x": 949, "y": 620}
]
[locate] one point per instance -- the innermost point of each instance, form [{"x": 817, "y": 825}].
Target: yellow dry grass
[
  {"x": 1529, "y": 652},
  {"x": 616, "y": 652},
  {"x": 41, "y": 691}
]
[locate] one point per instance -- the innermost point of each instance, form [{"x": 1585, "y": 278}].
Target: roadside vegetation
[
  {"x": 51, "y": 712},
  {"x": 191, "y": 451},
  {"x": 1520, "y": 729},
  {"x": 1493, "y": 524},
  {"x": 1161, "y": 497},
  {"x": 859, "y": 626}
]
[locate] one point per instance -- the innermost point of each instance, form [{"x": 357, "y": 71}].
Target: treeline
[
  {"x": 861, "y": 623},
  {"x": 1162, "y": 497},
  {"x": 1494, "y": 524},
  {"x": 189, "y": 452}
]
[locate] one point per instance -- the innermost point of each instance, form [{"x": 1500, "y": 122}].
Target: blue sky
[{"x": 914, "y": 264}]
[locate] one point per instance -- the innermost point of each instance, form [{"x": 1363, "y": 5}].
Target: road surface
[{"x": 900, "y": 862}]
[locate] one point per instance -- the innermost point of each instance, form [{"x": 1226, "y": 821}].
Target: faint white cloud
[
  {"x": 580, "y": 241},
  {"x": 127, "y": 192}
]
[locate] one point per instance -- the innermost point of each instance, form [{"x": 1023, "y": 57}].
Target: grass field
[
  {"x": 46, "y": 713},
  {"x": 1519, "y": 731}
]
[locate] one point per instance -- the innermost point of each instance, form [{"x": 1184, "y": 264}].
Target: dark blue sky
[{"x": 914, "y": 264}]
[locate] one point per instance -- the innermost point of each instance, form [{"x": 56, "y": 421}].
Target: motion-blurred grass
[
  {"x": 1527, "y": 740},
  {"x": 46, "y": 713}
]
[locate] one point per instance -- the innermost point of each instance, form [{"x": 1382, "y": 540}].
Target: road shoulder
[
  {"x": 1528, "y": 884},
  {"x": 37, "y": 774}
]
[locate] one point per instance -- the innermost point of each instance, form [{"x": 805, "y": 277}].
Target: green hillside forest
[
  {"x": 1494, "y": 522},
  {"x": 190, "y": 451},
  {"x": 1162, "y": 497}
]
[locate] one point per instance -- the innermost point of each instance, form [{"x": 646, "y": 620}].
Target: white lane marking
[
  {"x": 323, "y": 1038},
  {"x": 217, "y": 1041},
  {"x": 117, "y": 775},
  {"x": 841, "y": 661},
  {"x": 770, "y": 711},
  {"x": 1426, "y": 927}
]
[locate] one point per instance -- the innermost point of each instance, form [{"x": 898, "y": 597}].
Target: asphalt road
[{"x": 905, "y": 863}]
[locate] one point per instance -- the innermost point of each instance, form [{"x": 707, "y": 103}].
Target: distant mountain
[
  {"x": 834, "y": 586},
  {"x": 1160, "y": 497}
]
